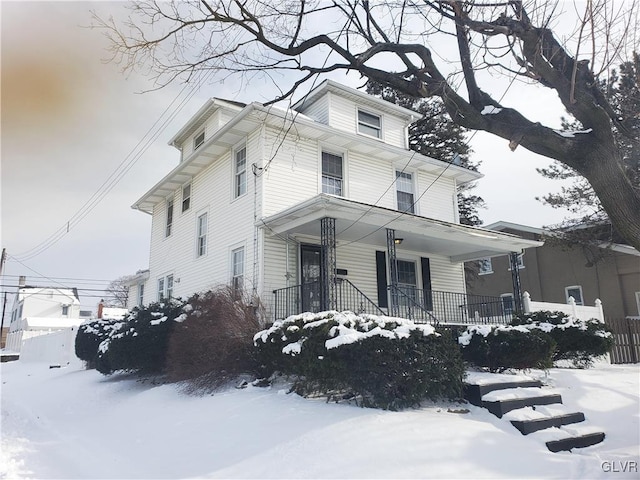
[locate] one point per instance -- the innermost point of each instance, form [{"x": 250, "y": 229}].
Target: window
[
  {"x": 520, "y": 261},
  {"x": 574, "y": 291},
  {"x": 202, "y": 235},
  {"x": 161, "y": 289},
  {"x": 169, "y": 217},
  {"x": 240, "y": 172},
  {"x": 485, "y": 266},
  {"x": 369, "y": 124},
  {"x": 169, "y": 286},
  {"x": 237, "y": 268},
  {"x": 198, "y": 140},
  {"x": 65, "y": 310},
  {"x": 186, "y": 197},
  {"x": 404, "y": 189},
  {"x": 141, "y": 295},
  {"x": 507, "y": 303},
  {"x": 332, "y": 176}
]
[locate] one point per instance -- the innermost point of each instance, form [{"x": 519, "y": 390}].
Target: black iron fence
[
  {"x": 433, "y": 306},
  {"x": 308, "y": 297}
]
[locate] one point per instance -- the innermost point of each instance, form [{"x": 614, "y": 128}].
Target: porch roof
[{"x": 358, "y": 222}]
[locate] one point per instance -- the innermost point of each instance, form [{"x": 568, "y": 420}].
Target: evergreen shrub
[
  {"x": 500, "y": 348},
  {"x": 579, "y": 341},
  {"x": 139, "y": 344},
  {"x": 383, "y": 362},
  {"x": 89, "y": 337},
  {"x": 214, "y": 342}
]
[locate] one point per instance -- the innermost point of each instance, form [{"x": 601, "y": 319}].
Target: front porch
[
  {"x": 421, "y": 306},
  {"x": 369, "y": 259}
]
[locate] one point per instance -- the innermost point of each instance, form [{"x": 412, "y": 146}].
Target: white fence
[
  {"x": 56, "y": 348},
  {"x": 581, "y": 312}
]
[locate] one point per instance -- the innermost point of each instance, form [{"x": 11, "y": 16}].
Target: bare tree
[
  {"x": 117, "y": 292},
  {"x": 389, "y": 43}
]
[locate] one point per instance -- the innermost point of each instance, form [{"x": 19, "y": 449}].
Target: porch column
[
  {"x": 328, "y": 263},
  {"x": 394, "y": 309},
  {"x": 515, "y": 281}
]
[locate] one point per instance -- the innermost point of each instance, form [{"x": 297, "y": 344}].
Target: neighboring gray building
[{"x": 554, "y": 272}]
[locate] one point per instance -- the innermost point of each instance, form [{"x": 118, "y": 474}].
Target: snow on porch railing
[{"x": 581, "y": 312}]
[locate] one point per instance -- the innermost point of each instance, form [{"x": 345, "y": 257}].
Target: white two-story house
[{"x": 322, "y": 206}]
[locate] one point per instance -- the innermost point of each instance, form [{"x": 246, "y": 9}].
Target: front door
[{"x": 310, "y": 276}]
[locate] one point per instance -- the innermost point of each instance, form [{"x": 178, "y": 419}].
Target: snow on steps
[{"x": 531, "y": 409}]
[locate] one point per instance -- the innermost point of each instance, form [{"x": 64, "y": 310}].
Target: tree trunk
[{"x": 620, "y": 200}]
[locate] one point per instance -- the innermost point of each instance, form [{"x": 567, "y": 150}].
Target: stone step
[
  {"x": 581, "y": 441},
  {"x": 474, "y": 392},
  {"x": 529, "y": 426},
  {"x": 500, "y": 402}
]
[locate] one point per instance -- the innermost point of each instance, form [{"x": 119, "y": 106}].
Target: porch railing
[
  {"x": 432, "y": 306},
  {"x": 307, "y": 298}
]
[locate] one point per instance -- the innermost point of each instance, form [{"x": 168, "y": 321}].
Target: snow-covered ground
[{"x": 75, "y": 424}]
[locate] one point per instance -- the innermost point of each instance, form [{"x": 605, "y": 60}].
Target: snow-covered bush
[
  {"x": 382, "y": 362},
  {"x": 89, "y": 337},
  {"x": 139, "y": 344},
  {"x": 214, "y": 340},
  {"x": 499, "y": 348},
  {"x": 578, "y": 341}
]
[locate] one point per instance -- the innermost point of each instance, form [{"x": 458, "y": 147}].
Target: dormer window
[
  {"x": 198, "y": 140},
  {"x": 369, "y": 124}
]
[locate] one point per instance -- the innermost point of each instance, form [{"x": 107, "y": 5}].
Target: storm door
[{"x": 310, "y": 259}]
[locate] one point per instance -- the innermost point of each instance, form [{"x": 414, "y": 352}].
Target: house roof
[
  {"x": 28, "y": 291},
  {"x": 616, "y": 247},
  {"x": 254, "y": 115},
  {"x": 358, "y": 222},
  {"x": 358, "y": 96}
]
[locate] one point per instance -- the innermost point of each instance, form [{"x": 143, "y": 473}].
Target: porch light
[{"x": 398, "y": 241}]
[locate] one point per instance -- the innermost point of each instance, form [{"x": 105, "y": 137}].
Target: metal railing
[
  {"x": 432, "y": 306},
  {"x": 308, "y": 298}
]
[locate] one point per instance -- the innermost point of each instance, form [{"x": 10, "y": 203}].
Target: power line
[{"x": 129, "y": 161}]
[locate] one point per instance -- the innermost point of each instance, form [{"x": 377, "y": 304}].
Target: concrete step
[
  {"x": 476, "y": 388},
  {"x": 570, "y": 436},
  {"x": 538, "y": 417}
]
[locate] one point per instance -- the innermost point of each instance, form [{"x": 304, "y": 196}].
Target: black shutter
[
  {"x": 381, "y": 279},
  {"x": 426, "y": 283}
]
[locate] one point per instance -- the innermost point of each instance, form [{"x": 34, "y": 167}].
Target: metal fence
[{"x": 627, "y": 339}]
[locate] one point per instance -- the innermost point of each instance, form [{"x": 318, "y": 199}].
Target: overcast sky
[{"x": 69, "y": 120}]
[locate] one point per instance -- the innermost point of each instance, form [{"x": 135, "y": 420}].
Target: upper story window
[
  {"x": 167, "y": 231},
  {"x": 369, "y": 124},
  {"x": 404, "y": 189},
  {"x": 485, "y": 266},
  {"x": 186, "y": 197},
  {"x": 574, "y": 291},
  {"x": 65, "y": 310},
  {"x": 240, "y": 172},
  {"x": 141, "y": 295},
  {"x": 198, "y": 140},
  {"x": 237, "y": 268},
  {"x": 202, "y": 235},
  {"x": 332, "y": 174}
]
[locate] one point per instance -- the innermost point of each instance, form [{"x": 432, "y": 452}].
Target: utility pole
[
  {"x": 4, "y": 306},
  {"x": 2, "y": 259}
]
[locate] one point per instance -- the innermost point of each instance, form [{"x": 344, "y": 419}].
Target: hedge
[{"x": 383, "y": 362}]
